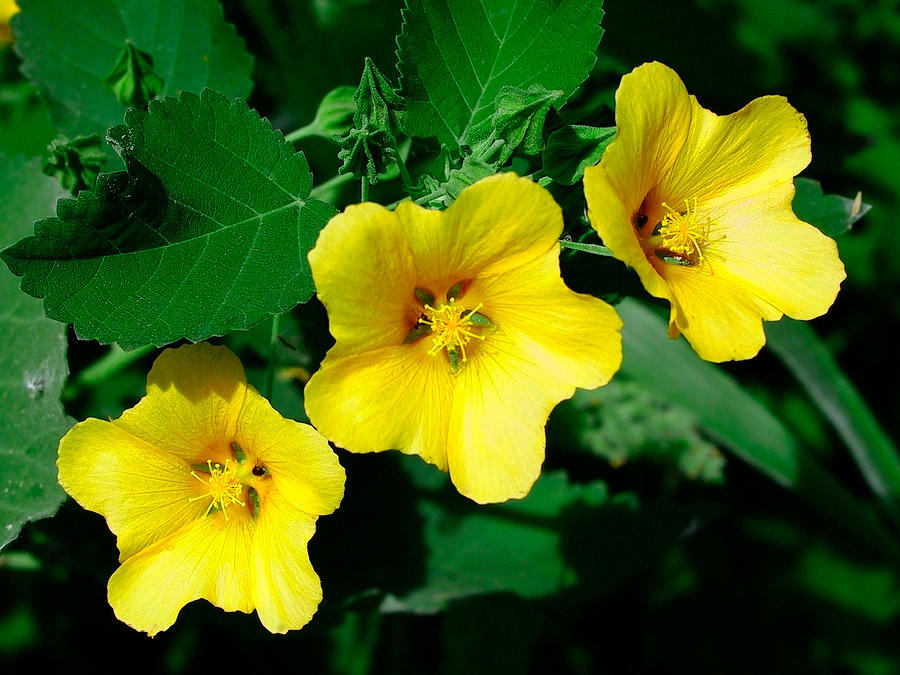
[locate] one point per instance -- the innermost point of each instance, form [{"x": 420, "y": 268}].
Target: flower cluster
[{"x": 455, "y": 336}]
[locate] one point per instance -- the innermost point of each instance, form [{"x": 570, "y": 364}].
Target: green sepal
[
  {"x": 573, "y": 148},
  {"x": 457, "y": 290},
  {"x": 419, "y": 331},
  {"x": 378, "y": 106},
  {"x": 254, "y": 501},
  {"x": 479, "y": 319},
  {"x": 132, "y": 79},
  {"x": 424, "y": 296},
  {"x": 366, "y": 153},
  {"x": 454, "y": 357},
  {"x": 77, "y": 162},
  {"x": 436, "y": 194},
  {"x": 239, "y": 455},
  {"x": 673, "y": 259},
  {"x": 370, "y": 147},
  {"x": 519, "y": 118}
]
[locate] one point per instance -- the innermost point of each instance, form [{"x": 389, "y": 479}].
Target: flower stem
[
  {"x": 587, "y": 248},
  {"x": 270, "y": 370},
  {"x": 364, "y": 189},
  {"x": 109, "y": 364}
]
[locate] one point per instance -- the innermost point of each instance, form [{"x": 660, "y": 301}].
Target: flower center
[
  {"x": 681, "y": 238},
  {"x": 224, "y": 487},
  {"x": 451, "y": 328}
]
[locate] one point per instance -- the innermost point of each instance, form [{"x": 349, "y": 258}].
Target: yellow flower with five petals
[
  {"x": 700, "y": 206},
  {"x": 210, "y": 492},
  {"x": 455, "y": 334}
]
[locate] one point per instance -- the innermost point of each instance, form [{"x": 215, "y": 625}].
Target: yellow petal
[
  {"x": 738, "y": 155},
  {"x": 365, "y": 277},
  {"x": 209, "y": 558},
  {"x": 717, "y": 315},
  {"x": 143, "y": 493},
  {"x": 495, "y": 225},
  {"x": 194, "y": 395},
  {"x": 396, "y": 397},
  {"x": 496, "y": 435},
  {"x": 574, "y": 336},
  {"x": 653, "y": 112},
  {"x": 286, "y": 589},
  {"x": 787, "y": 263},
  {"x": 304, "y": 468}
]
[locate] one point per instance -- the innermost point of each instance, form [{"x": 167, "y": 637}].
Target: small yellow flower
[
  {"x": 211, "y": 493},
  {"x": 455, "y": 335},
  {"x": 8, "y": 8},
  {"x": 700, "y": 206}
]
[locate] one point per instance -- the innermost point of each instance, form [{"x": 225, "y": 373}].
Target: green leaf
[
  {"x": 205, "y": 233},
  {"x": 334, "y": 116},
  {"x": 33, "y": 367},
  {"x": 69, "y": 49},
  {"x": 513, "y": 547},
  {"x": 732, "y": 417},
  {"x": 571, "y": 149},
  {"x": 456, "y": 55},
  {"x": 832, "y": 214},
  {"x": 808, "y": 359}
]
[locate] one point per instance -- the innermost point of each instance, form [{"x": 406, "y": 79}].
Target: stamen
[
  {"x": 225, "y": 488},
  {"x": 681, "y": 238},
  {"x": 451, "y": 327}
]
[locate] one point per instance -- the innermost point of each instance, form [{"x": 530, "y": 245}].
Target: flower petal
[
  {"x": 653, "y": 113},
  {"x": 789, "y": 264},
  {"x": 209, "y": 558},
  {"x": 495, "y": 225},
  {"x": 286, "y": 589},
  {"x": 738, "y": 155},
  {"x": 143, "y": 493},
  {"x": 717, "y": 315},
  {"x": 496, "y": 433},
  {"x": 572, "y": 335},
  {"x": 304, "y": 468},
  {"x": 365, "y": 277},
  {"x": 396, "y": 397},
  {"x": 194, "y": 395}
]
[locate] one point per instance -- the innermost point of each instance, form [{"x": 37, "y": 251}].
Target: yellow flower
[
  {"x": 8, "y": 8},
  {"x": 455, "y": 335},
  {"x": 211, "y": 493},
  {"x": 700, "y": 206}
]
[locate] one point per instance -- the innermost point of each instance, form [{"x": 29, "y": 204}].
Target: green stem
[
  {"x": 364, "y": 189},
  {"x": 109, "y": 364},
  {"x": 270, "y": 369},
  {"x": 323, "y": 191},
  {"x": 596, "y": 249},
  {"x": 301, "y": 133}
]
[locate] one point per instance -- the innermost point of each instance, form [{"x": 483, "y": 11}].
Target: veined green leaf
[
  {"x": 455, "y": 55},
  {"x": 206, "y": 232},
  {"x": 33, "y": 366},
  {"x": 69, "y": 48}
]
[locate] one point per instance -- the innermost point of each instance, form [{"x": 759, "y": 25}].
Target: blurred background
[{"x": 663, "y": 553}]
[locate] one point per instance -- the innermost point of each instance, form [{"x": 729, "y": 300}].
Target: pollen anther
[
  {"x": 225, "y": 487},
  {"x": 682, "y": 236},
  {"x": 451, "y": 327}
]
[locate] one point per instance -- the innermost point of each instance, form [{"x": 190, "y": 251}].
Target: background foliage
[{"x": 691, "y": 519}]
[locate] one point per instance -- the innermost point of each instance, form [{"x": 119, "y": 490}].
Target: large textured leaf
[
  {"x": 33, "y": 366},
  {"x": 455, "y": 55},
  {"x": 69, "y": 48},
  {"x": 206, "y": 232}
]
